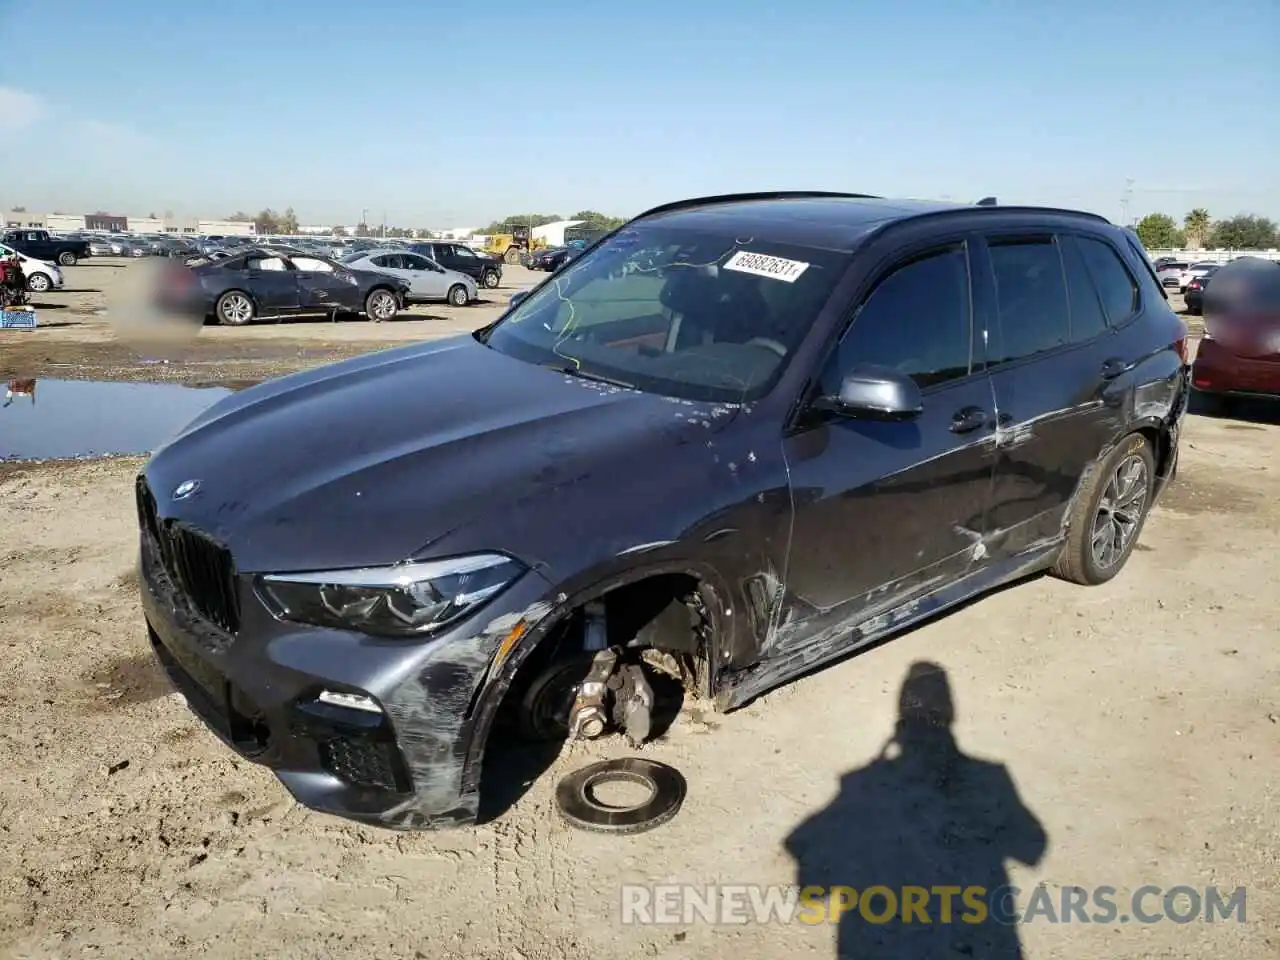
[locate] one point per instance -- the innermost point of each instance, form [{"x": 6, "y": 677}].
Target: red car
[{"x": 1239, "y": 354}]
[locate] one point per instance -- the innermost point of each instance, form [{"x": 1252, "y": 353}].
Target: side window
[
  {"x": 266, "y": 263},
  {"x": 313, "y": 265},
  {"x": 414, "y": 262},
  {"x": 465, "y": 252},
  {"x": 1031, "y": 295},
  {"x": 1087, "y": 318},
  {"x": 1116, "y": 286},
  {"x": 382, "y": 261},
  {"x": 915, "y": 321}
]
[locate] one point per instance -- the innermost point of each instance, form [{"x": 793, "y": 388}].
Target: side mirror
[
  {"x": 517, "y": 298},
  {"x": 876, "y": 393}
]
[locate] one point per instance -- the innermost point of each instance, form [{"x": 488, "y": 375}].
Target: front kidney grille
[{"x": 199, "y": 568}]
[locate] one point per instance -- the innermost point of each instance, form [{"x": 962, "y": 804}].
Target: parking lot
[{"x": 1139, "y": 722}]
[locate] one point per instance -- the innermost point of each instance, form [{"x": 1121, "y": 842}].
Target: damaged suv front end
[{"x": 355, "y": 687}]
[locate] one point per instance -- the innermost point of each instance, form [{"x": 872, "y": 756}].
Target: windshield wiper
[{"x": 573, "y": 371}]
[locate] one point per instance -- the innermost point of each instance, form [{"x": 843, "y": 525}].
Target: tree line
[
  {"x": 591, "y": 219},
  {"x": 269, "y": 221},
  {"x": 1245, "y": 231}
]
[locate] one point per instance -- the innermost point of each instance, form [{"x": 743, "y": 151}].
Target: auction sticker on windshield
[{"x": 763, "y": 265}]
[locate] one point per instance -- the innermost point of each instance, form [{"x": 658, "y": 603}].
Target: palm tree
[{"x": 1197, "y": 226}]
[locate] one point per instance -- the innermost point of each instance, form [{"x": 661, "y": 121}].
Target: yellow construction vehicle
[{"x": 511, "y": 246}]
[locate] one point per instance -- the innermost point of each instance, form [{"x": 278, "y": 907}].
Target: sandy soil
[{"x": 1139, "y": 721}]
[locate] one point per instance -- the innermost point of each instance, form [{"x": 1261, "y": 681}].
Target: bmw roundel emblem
[{"x": 185, "y": 489}]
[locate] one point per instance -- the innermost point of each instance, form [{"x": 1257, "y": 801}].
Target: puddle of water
[{"x": 63, "y": 419}]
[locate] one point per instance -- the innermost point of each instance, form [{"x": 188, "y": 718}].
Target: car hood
[{"x": 371, "y": 460}]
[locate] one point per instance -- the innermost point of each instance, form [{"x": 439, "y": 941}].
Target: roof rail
[
  {"x": 766, "y": 195},
  {"x": 1060, "y": 211}
]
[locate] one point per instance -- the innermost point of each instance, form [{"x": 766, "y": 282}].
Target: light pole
[{"x": 1124, "y": 202}]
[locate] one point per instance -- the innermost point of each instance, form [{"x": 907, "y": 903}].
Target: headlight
[{"x": 405, "y": 600}]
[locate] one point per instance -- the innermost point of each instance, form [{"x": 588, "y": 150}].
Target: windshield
[{"x": 690, "y": 314}]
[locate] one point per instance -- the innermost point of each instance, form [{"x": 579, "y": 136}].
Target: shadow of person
[{"x": 924, "y": 825}]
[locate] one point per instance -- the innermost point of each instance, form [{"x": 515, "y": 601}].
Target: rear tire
[
  {"x": 235, "y": 309},
  {"x": 458, "y": 295},
  {"x": 67, "y": 259},
  {"x": 381, "y": 305},
  {"x": 1109, "y": 513}
]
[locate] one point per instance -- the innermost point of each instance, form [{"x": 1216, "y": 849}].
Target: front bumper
[
  {"x": 408, "y": 764},
  {"x": 1218, "y": 370}
]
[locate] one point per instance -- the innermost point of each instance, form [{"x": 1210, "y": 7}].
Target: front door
[
  {"x": 427, "y": 278},
  {"x": 321, "y": 287},
  {"x": 273, "y": 283},
  {"x": 888, "y": 511}
]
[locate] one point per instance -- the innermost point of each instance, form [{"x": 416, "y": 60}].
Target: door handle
[
  {"x": 968, "y": 419},
  {"x": 1112, "y": 367}
]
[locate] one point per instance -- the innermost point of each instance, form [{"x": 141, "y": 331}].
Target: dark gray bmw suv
[{"x": 737, "y": 438}]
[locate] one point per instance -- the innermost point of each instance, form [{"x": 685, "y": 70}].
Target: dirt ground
[{"x": 1139, "y": 721}]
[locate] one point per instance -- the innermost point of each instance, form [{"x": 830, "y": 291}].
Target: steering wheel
[{"x": 769, "y": 344}]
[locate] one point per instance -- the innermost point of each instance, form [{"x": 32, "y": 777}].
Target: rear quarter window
[{"x": 1117, "y": 288}]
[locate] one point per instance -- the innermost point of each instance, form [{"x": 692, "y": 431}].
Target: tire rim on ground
[{"x": 578, "y": 805}]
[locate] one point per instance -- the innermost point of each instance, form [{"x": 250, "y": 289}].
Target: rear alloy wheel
[
  {"x": 234, "y": 309},
  {"x": 1108, "y": 515},
  {"x": 381, "y": 305},
  {"x": 458, "y": 295},
  {"x": 67, "y": 258},
  {"x": 491, "y": 279},
  {"x": 38, "y": 282}
]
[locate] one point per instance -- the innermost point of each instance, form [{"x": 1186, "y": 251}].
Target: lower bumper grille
[{"x": 365, "y": 761}]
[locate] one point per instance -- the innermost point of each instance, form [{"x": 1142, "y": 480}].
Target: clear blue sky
[{"x": 454, "y": 114}]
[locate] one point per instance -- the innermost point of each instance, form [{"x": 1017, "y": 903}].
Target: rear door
[
  {"x": 272, "y": 282},
  {"x": 886, "y": 511},
  {"x": 1058, "y": 380}
]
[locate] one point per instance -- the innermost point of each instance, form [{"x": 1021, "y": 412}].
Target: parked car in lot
[
  {"x": 42, "y": 246},
  {"x": 1239, "y": 353},
  {"x": 1170, "y": 274},
  {"x": 553, "y": 258},
  {"x": 1193, "y": 295},
  {"x": 1195, "y": 271},
  {"x": 266, "y": 284},
  {"x": 41, "y": 275},
  {"x": 428, "y": 281},
  {"x": 810, "y": 421},
  {"x": 486, "y": 270}
]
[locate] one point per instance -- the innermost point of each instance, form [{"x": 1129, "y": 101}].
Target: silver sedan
[{"x": 427, "y": 279}]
